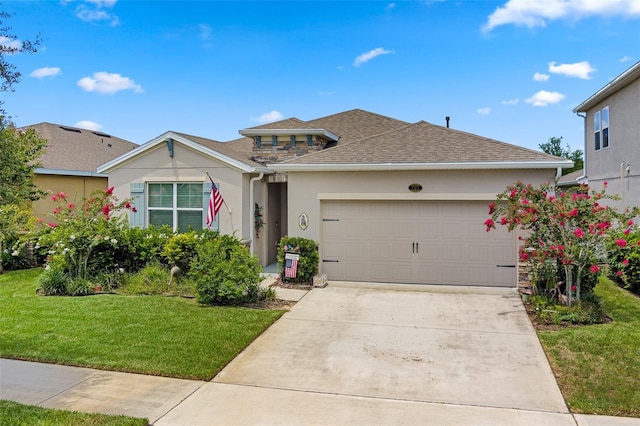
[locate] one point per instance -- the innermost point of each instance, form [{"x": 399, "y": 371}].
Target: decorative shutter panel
[{"x": 136, "y": 220}]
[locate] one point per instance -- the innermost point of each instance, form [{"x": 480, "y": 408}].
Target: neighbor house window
[
  {"x": 177, "y": 204},
  {"x": 601, "y": 128}
]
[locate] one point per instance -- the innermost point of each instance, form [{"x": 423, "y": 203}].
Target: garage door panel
[{"x": 374, "y": 241}]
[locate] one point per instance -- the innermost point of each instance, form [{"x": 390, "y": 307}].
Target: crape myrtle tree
[
  {"x": 568, "y": 228},
  {"x": 19, "y": 150}
]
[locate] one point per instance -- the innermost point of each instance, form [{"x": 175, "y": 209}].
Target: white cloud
[
  {"x": 390, "y": 6},
  {"x": 544, "y": 98},
  {"x": 536, "y": 13},
  {"x": 88, "y": 125},
  {"x": 205, "y": 31},
  {"x": 579, "y": 69},
  {"x": 9, "y": 44},
  {"x": 97, "y": 10},
  {"x": 366, "y": 57},
  {"x": 510, "y": 102},
  {"x": 540, "y": 77},
  {"x": 626, "y": 58},
  {"x": 484, "y": 111},
  {"x": 269, "y": 117},
  {"x": 104, "y": 82},
  {"x": 45, "y": 72}
]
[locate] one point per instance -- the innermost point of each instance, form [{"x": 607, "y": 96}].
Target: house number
[{"x": 415, "y": 187}]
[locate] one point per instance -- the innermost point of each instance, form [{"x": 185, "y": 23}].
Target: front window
[
  {"x": 178, "y": 205},
  {"x": 601, "y": 128}
]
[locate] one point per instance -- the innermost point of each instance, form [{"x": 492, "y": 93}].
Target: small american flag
[
  {"x": 291, "y": 265},
  {"x": 215, "y": 202}
]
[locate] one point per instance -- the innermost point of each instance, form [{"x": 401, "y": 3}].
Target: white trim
[
  {"x": 390, "y": 196},
  {"x": 44, "y": 171},
  {"x": 289, "y": 132},
  {"x": 283, "y": 167},
  {"x": 171, "y": 179},
  {"x": 239, "y": 165}
]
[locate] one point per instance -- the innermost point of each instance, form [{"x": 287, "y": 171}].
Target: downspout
[
  {"x": 251, "y": 203},
  {"x": 584, "y": 152}
]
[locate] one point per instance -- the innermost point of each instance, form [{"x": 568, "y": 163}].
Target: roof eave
[
  {"x": 553, "y": 164},
  {"x": 613, "y": 86},
  {"x": 63, "y": 172},
  {"x": 288, "y": 132}
]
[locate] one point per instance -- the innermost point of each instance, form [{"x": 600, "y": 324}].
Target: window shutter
[
  {"x": 206, "y": 193},
  {"x": 136, "y": 219}
]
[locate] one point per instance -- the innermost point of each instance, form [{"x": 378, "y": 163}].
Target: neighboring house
[
  {"x": 612, "y": 137},
  {"x": 70, "y": 161},
  {"x": 386, "y": 200}
]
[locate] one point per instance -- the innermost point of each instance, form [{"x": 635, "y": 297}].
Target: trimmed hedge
[{"x": 309, "y": 258}]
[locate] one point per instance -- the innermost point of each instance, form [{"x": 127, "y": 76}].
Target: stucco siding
[
  {"x": 306, "y": 189},
  {"x": 76, "y": 187},
  {"x": 610, "y": 164},
  {"x": 186, "y": 165}
]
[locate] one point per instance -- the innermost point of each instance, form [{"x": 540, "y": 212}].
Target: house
[
  {"x": 612, "y": 137},
  {"x": 386, "y": 200},
  {"x": 70, "y": 161}
]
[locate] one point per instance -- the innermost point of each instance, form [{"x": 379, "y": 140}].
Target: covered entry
[{"x": 421, "y": 242}]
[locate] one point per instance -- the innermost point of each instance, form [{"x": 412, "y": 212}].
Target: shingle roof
[
  {"x": 422, "y": 142},
  {"x": 236, "y": 150},
  {"x": 356, "y": 124},
  {"x": 74, "y": 149}
]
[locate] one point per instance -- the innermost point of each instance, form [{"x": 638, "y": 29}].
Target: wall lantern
[{"x": 415, "y": 187}]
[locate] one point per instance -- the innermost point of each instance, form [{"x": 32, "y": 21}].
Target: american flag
[
  {"x": 291, "y": 265},
  {"x": 215, "y": 202}
]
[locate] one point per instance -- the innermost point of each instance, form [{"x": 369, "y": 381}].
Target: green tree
[{"x": 554, "y": 147}]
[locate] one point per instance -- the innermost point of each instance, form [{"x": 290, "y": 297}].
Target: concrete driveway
[{"x": 387, "y": 354}]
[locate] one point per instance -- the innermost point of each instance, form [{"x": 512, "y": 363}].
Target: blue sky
[{"x": 509, "y": 70}]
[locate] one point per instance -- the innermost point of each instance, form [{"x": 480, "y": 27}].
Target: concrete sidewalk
[{"x": 345, "y": 354}]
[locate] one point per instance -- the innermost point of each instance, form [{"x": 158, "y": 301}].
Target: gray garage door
[{"x": 425, "y": 242}]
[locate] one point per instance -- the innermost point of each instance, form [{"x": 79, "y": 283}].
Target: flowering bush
[
  {"x": 569, "y": 228},
  {"x": 83, "y": 239},
  {"x": 624, "y": 258}
]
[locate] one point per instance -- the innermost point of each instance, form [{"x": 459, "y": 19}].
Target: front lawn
[
  {"x": 598, "y": 366},
  {"x": 156, "y": 335},
  {"x": 29, "y": 415}
]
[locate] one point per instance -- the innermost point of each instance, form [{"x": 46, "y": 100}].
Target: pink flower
[
  {"x": 54, "y": 197},
  {"x": 62, "y": 194},
  {"x": 578, "y": 233},
  {"x": 630, "y": 223},
  {"x": 627, "y": 232},
  {"x": 489, "y": 223},
  {"x": 503, "y": 221},
  {"x": 619, "y": 273},
  {"x": 574, "y": 287},
  {"x": 127, "y": 205},
  {"x": 492, "y": 208},
  {"x": 110, "y": 190},
  {"x": 573, "y": 213},
  {"x": 594, "y": 269},
  {"x": 605, "y": 183},
  {"x": 52, "y": 225},
  {"x": 621, "y": 243},
  {"x": 70, "y": 205},
  {"x": 106, "y": 210},
  {"x": 40, "y": 220},
  {"x": 625, "y": 262},
  {"x": 134, "y": 210}
]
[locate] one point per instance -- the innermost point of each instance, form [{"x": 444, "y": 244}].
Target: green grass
[
  {"x": 156, "y": 335},
  {"x": 598, "y": 366},
  {"x": 30, "y": 415}
]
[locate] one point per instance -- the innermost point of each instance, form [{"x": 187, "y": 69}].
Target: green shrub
[
  {"x": 586, "y": 311},
  {"x": 15, "y": 256},
  {"x": 143, "y": 246},
  {"x": 309, "y": 257},
  {"x": 79, "y": 287},
  {"x": 180, "y": 249},
  {"x": 153, "y": 279},
  {"x": 53, "y": 282},
  {"x": 224, "y": 273}
]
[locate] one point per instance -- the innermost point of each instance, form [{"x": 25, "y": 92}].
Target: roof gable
[
  {"x": 618, "y": 83},
  {"x": 220, "y": 151}
]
